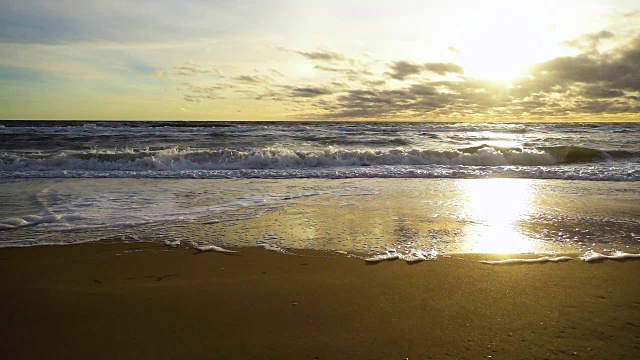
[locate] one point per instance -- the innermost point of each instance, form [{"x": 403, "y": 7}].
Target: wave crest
[{"x": 283, "y": 158}]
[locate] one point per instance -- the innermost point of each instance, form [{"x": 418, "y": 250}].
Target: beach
[
  {"x": 319, "y": 241},
  {"x": 287, "y": 180},
  {"x": 132, "y": 301}
]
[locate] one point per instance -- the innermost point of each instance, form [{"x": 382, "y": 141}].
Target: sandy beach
[
  {"x": 289, "y": 180},
  {"x": 130, "y": 301}
]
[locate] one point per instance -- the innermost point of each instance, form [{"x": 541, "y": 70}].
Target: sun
[{"x": 500, "y": 43}]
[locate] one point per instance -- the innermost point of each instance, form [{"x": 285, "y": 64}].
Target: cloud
[
  {"x": 443, "y": 68},
  {"x": 409, "y": 101},
  {"x": 254, "y": 79},
  {"x": 323, "y": 55},
  {"x": 601, "y": 91},
  {"x": 328, "y": 56},
  {"x": 294, "y": 93},
  {"x": 632, "y": 14},
  {"x": 590, "y": 42},
  {"x": 193, "y": 69},
  {"x": 196, "y": 93},
  {"x": 310, "y": 91},
  {"x": 590, "y": 83},
  {"x": 276, "y": 73},
  {"x": 618, "y": 70},
  {"x": 403, "y": 69},
  {"x": 190, "y": 69},
  {"x": 347, "y": 71}
]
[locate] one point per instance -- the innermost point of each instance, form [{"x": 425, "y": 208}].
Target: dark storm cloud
[{"x": 403, "y": 69}]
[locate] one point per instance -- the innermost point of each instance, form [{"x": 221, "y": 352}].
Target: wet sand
[{"x": 131, "y": 301}]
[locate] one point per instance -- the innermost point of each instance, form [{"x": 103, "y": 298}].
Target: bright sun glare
[
  {"x": 494, "y": 208},
  {"x": 500, "y": 44}
]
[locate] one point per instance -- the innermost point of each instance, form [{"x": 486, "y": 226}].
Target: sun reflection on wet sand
[{"x": 493, "y": 209}]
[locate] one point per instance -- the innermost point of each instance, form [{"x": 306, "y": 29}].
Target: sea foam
[
  {"x": 176, "y": 159},
  {"x": 31, "y": 220},
  {"x": 214, "y": 248},
  {"x": 591, "y": 256},
  {"x": 539, "y": 260},
  {"x": 410, "y": 257}
]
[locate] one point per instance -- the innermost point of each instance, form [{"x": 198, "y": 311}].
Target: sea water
[{"x": 407, "y": 190}]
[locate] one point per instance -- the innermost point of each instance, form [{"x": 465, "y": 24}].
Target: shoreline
[{"x": 144, "y": 300}]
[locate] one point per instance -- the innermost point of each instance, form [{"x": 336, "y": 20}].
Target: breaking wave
[{"x": 176, "y": 159}]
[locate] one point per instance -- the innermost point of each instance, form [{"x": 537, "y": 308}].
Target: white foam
[
  {"x": 419, "y": 255},
  {"x": 614, "y": 255},
  {"x": 388, "y": 255},
  {"x": 527, "y": 261},
  {"x": 29, "y": 220},
  {"x": 411, "y": 257},
  {"x": 175, "y": 159},
  {"x": 272, "y": 247},
  {"x": 214, "y": 248}
]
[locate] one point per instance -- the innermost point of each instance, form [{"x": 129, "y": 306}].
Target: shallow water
[
  {"x": 357, "y": 216},
  {"x": 409, "y": 190}
]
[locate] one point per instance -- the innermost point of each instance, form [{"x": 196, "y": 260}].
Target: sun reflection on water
[{"x": 493, "y": 209}]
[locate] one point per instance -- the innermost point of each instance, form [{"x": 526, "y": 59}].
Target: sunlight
[
  {"x": 501, "y": 43},
  {"x": 494, "y": 207},
  {"x": 502, "y": 140}
]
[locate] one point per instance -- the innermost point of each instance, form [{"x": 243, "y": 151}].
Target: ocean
[
  {"x": 376, "y": 190},
  {"x": 284, "y": 150}
]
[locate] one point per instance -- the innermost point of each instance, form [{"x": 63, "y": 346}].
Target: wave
[
  {"x": 283, "y": 158},
  {"x": 411, "y": 257},
  {"x": 540, "y": 260},
  {"x": 33, "y": 220},
  {"x": 354, "y": 140},
  {"x": 592, "y": 256},
  {"x": 589, "y": 256},
  {"x": 214, "y": 248}
]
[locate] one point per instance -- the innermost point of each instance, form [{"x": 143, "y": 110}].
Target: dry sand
[{"x": 128, "y": 301}]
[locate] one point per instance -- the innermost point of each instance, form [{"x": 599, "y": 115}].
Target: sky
[{"x": 456, "y": 60}]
